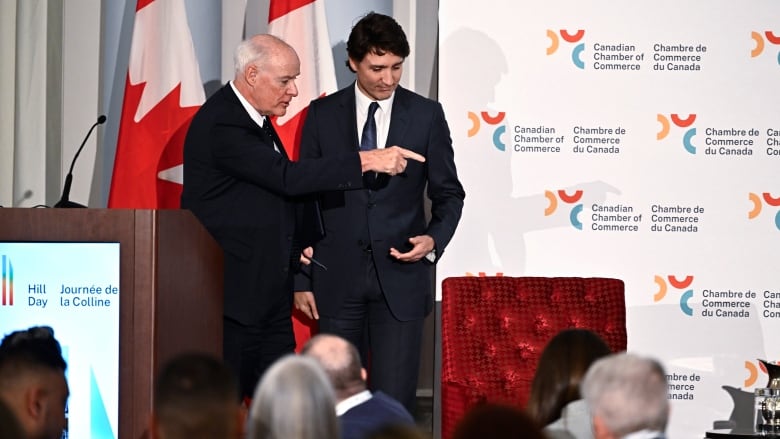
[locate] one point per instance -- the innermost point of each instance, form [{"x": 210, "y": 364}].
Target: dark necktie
[
  {"x": 368, "y": 141},
  {"x": 269, "y": 130}
]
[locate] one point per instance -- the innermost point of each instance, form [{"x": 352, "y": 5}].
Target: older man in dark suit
[
  {"x": 378, "y": 246},
  {"x": 240, "y": 184}
]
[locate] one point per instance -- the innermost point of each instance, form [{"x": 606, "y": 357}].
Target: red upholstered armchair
[{"x": 495, "y": 328}]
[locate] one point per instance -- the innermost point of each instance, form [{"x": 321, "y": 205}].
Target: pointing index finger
[{"x": 412, "y": 155}]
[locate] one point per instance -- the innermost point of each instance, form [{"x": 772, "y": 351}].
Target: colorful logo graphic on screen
[
  {"x": 572, "y": 38},
  {"x": 682, "y": 123},
  {"x": 484, "y": 116},
  {"x": 7, "y": 280},
  {"x": 760, "y": 41},
  {"x": 574, "y": 213},
  {"x": 677, "y": 284},
  {"x": 758, "y": 206}
]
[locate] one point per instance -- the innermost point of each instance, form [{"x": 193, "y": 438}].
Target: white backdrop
[{"x": 636, "y": 140}]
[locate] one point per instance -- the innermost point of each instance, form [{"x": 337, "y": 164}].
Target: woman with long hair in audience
[
  {"x": 294, "y": 400},
  {"x": 496, "y": 421},
  {"x": 555, "y": 402}
]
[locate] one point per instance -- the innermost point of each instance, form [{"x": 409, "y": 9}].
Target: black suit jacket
[
  {"x": 392, "y": 211},
  {"x": 244, "y": 192}
]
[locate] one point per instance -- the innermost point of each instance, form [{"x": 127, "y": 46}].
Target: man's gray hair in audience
[{"x": 628, "y": 393}]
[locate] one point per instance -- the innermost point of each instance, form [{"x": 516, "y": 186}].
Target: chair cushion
[{"x": 495, "y": 328}]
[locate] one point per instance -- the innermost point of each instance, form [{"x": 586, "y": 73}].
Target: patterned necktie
[{"x": 368, "y": 141}]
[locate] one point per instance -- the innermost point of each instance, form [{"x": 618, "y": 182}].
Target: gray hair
[
  {"x": 294, "y": 400},
  {"x": 628, "y": 392},
  {"x": 257, "y": 47}
]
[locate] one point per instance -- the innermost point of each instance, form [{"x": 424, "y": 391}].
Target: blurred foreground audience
[
  {"x": 196, "y": 397},
  {"x": 627, "y": 396},
  {"x": 359, "y": 410},
  {"x": 555, "y": 402},
  {"x": 495, "y": 421},
  {"x": 398, "y": 431},
  {"x": 32, "y": 382},
  {"x": 9, "y": 425},
  {"x": 294, "y": 400}
]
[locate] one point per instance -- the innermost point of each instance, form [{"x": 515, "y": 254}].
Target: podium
[{"x": 170, "y": 288}]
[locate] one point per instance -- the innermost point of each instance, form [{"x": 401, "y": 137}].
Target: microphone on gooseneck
[{"x": 64, "y": 202}]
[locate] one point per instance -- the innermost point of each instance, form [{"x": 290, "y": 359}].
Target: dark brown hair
[
  {"x": 496, "y": 421},
  {"x": 379, "y": 34},
  {"x": 560, "y": 370}
]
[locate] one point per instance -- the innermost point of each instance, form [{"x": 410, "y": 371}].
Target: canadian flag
[
  {"x": 302, "y": 24},
  {"x": 163, "y": 91}
]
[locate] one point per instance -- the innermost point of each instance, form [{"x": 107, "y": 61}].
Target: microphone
[{"x": 64, "y": 202}]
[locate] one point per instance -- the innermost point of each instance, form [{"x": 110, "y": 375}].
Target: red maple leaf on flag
[{"x": 163, "y": 92}]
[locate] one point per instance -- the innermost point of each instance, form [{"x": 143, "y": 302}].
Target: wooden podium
[{"x": 170, "y": 288}]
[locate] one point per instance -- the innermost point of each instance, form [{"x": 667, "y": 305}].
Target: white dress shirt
[{"x": 382, "y": 116}]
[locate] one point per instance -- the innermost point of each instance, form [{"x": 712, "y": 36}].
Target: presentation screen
[{"x": 74, "y": 289}]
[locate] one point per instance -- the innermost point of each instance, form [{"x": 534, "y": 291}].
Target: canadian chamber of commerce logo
[
  {"x": 679, "y": 122},
  {"x": 753, "y": 369},
  {"x": 573, "y": 38},
  {"x": 680, "y": 285},
  {"x": 760, "y": 43},
  {"x": 758, "y": 206},
  {"x": 498, "y": 131},
  {"x": 7, "y": 280},
  {"x": 573, "y": 200}
]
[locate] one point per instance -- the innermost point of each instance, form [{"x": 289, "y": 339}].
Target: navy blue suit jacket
[
  {"x": 392, "y": 211},
  {"x": 380, "y": 410}
]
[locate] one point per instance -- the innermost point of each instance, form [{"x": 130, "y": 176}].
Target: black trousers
[
  {"x": 250, "y": 349},
  {"x": 389, "y": 348}
]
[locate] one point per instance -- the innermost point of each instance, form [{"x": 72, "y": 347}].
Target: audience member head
[
  {"x": 9, "y": 425},
  {"x": 195, "y": 396},
  {"x": 378, "y": 34},
  {"x": 265, "y": 72},
  {"x": 294, "y": 400},
  {"x": 561, "y": 367},
  {"x": 341, "y": 361},
  {"x": 626, "y": 393},
  {"x": 32, "y": 381},
  {"x": 489, "y": 420},
  {"x": 398, "y": 431}
]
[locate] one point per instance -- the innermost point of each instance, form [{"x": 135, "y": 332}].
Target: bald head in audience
[
  {"x": 341, "y": 361},
  {"x": 360, "y": 411}
]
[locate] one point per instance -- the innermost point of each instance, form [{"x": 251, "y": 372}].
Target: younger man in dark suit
[{"x": 379, "y": 247}]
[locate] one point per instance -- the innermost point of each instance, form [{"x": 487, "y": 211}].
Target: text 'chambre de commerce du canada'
[{"x": 73, "y": 296}]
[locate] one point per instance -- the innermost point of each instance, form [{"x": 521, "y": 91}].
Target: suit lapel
[
  {"x": 399, "y": 119},
  {"x": 238, "y": 114},
  {"x": 348, "y": 125}
]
